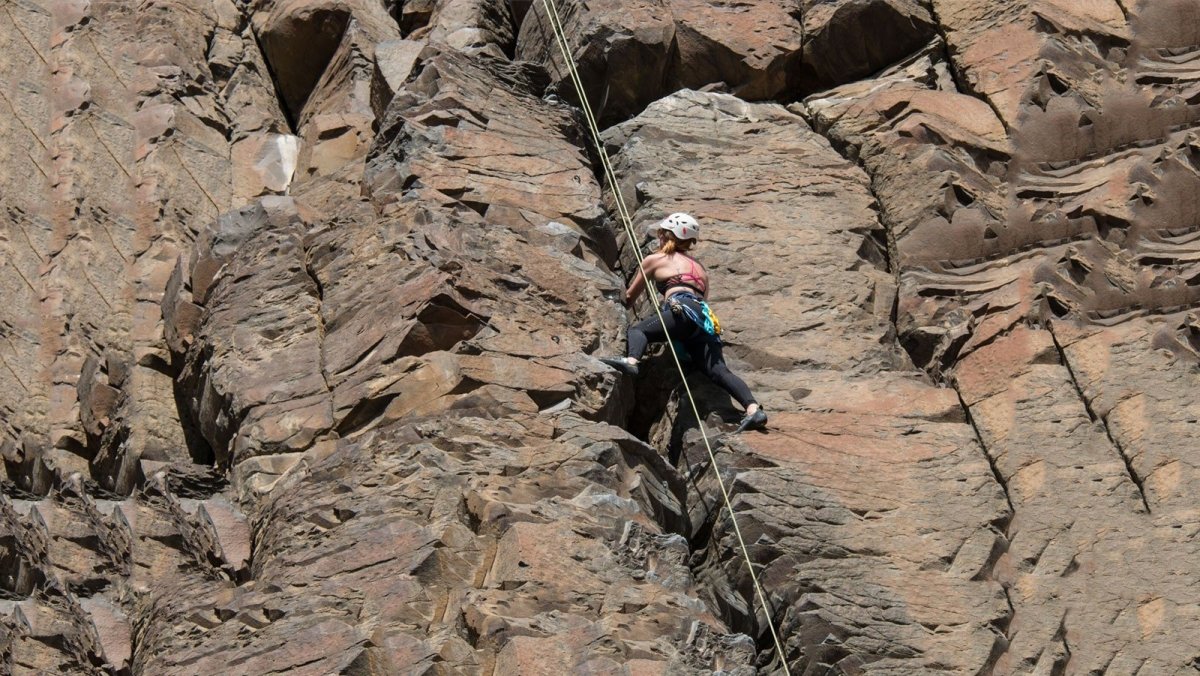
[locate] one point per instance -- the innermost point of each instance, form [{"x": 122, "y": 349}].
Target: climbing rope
[{"x": 561, "y": 39}]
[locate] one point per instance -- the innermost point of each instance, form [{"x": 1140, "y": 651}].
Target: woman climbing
[{"x": 683, "y": 283}]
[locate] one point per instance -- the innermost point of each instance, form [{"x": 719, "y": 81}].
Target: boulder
[
  {"x": 624, "y": 52},
  {"x": 850, "y": 39}
]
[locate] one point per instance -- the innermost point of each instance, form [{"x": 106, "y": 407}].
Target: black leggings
[{"x": 704, "y": 349}]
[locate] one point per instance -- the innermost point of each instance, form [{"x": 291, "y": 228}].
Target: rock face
[
  {"x": 869, "y": 505},
  {"x": 303, "y": 300},
  {"x": 1041, "y": 217}
]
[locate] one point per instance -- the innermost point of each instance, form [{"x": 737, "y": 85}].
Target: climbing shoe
[
  {"x": 621, "y": 365},
  {"x": 752, "y": 421}
]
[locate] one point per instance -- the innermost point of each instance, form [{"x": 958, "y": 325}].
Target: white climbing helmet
[{"x": 682, "y": 225}]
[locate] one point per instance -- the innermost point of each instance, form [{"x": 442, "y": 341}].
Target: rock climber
[{"x": 683, "y": 283}]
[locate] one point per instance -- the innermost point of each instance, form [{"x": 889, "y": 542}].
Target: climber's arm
[{"x": 638, "y": 284}]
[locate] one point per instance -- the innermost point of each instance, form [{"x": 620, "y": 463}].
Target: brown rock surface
[
  {"x": 630, "y": 54},
  {"x": 121, "y": 134},
  {"x": 301, "y": 40},
  {"x": 838, "y": 500},
  {"x": 447, "y": 540},
  {"x": 301, "y": 298},
  {"x": 408, "y": 355},
  {"x": 469, "y": 25},
  {"x": 486, "y": 114},
  {"x": 846, "y": 40},
  {"x": 623, "y": 49},
  {"x": 1071, "y": 202}
]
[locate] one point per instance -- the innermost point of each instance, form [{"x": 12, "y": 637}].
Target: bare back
[{"x": 679, "y": 272}]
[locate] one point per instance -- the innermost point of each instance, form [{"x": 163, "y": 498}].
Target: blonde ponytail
[{"x": 673, "y": 244}]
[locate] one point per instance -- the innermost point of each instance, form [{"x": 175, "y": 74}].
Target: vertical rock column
[
  {"x": 134, "y": 149},
  {"x": 870, "y": 511},
  {"x": 26, "y": 240},
  {"x": 400, "y": 392},
  {"x": 123, "y": 123}
]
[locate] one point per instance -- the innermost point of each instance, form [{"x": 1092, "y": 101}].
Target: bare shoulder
[{"x": 653, "y": 260}]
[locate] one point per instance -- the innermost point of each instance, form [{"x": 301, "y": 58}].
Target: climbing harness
[
  {"x": 705, "y": 318},
  {"x": 561, "y": 38}
]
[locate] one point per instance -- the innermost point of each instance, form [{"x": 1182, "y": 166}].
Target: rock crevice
[{"x": 1101, "y": 421}]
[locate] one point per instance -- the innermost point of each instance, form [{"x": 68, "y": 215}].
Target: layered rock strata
[{"x": 1039, "y": 179}]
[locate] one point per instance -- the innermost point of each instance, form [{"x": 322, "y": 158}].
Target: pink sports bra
[{"x": 689, "y": 279}]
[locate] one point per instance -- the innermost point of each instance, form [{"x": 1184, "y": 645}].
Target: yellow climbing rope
[{"x": 561, "y": 39}]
